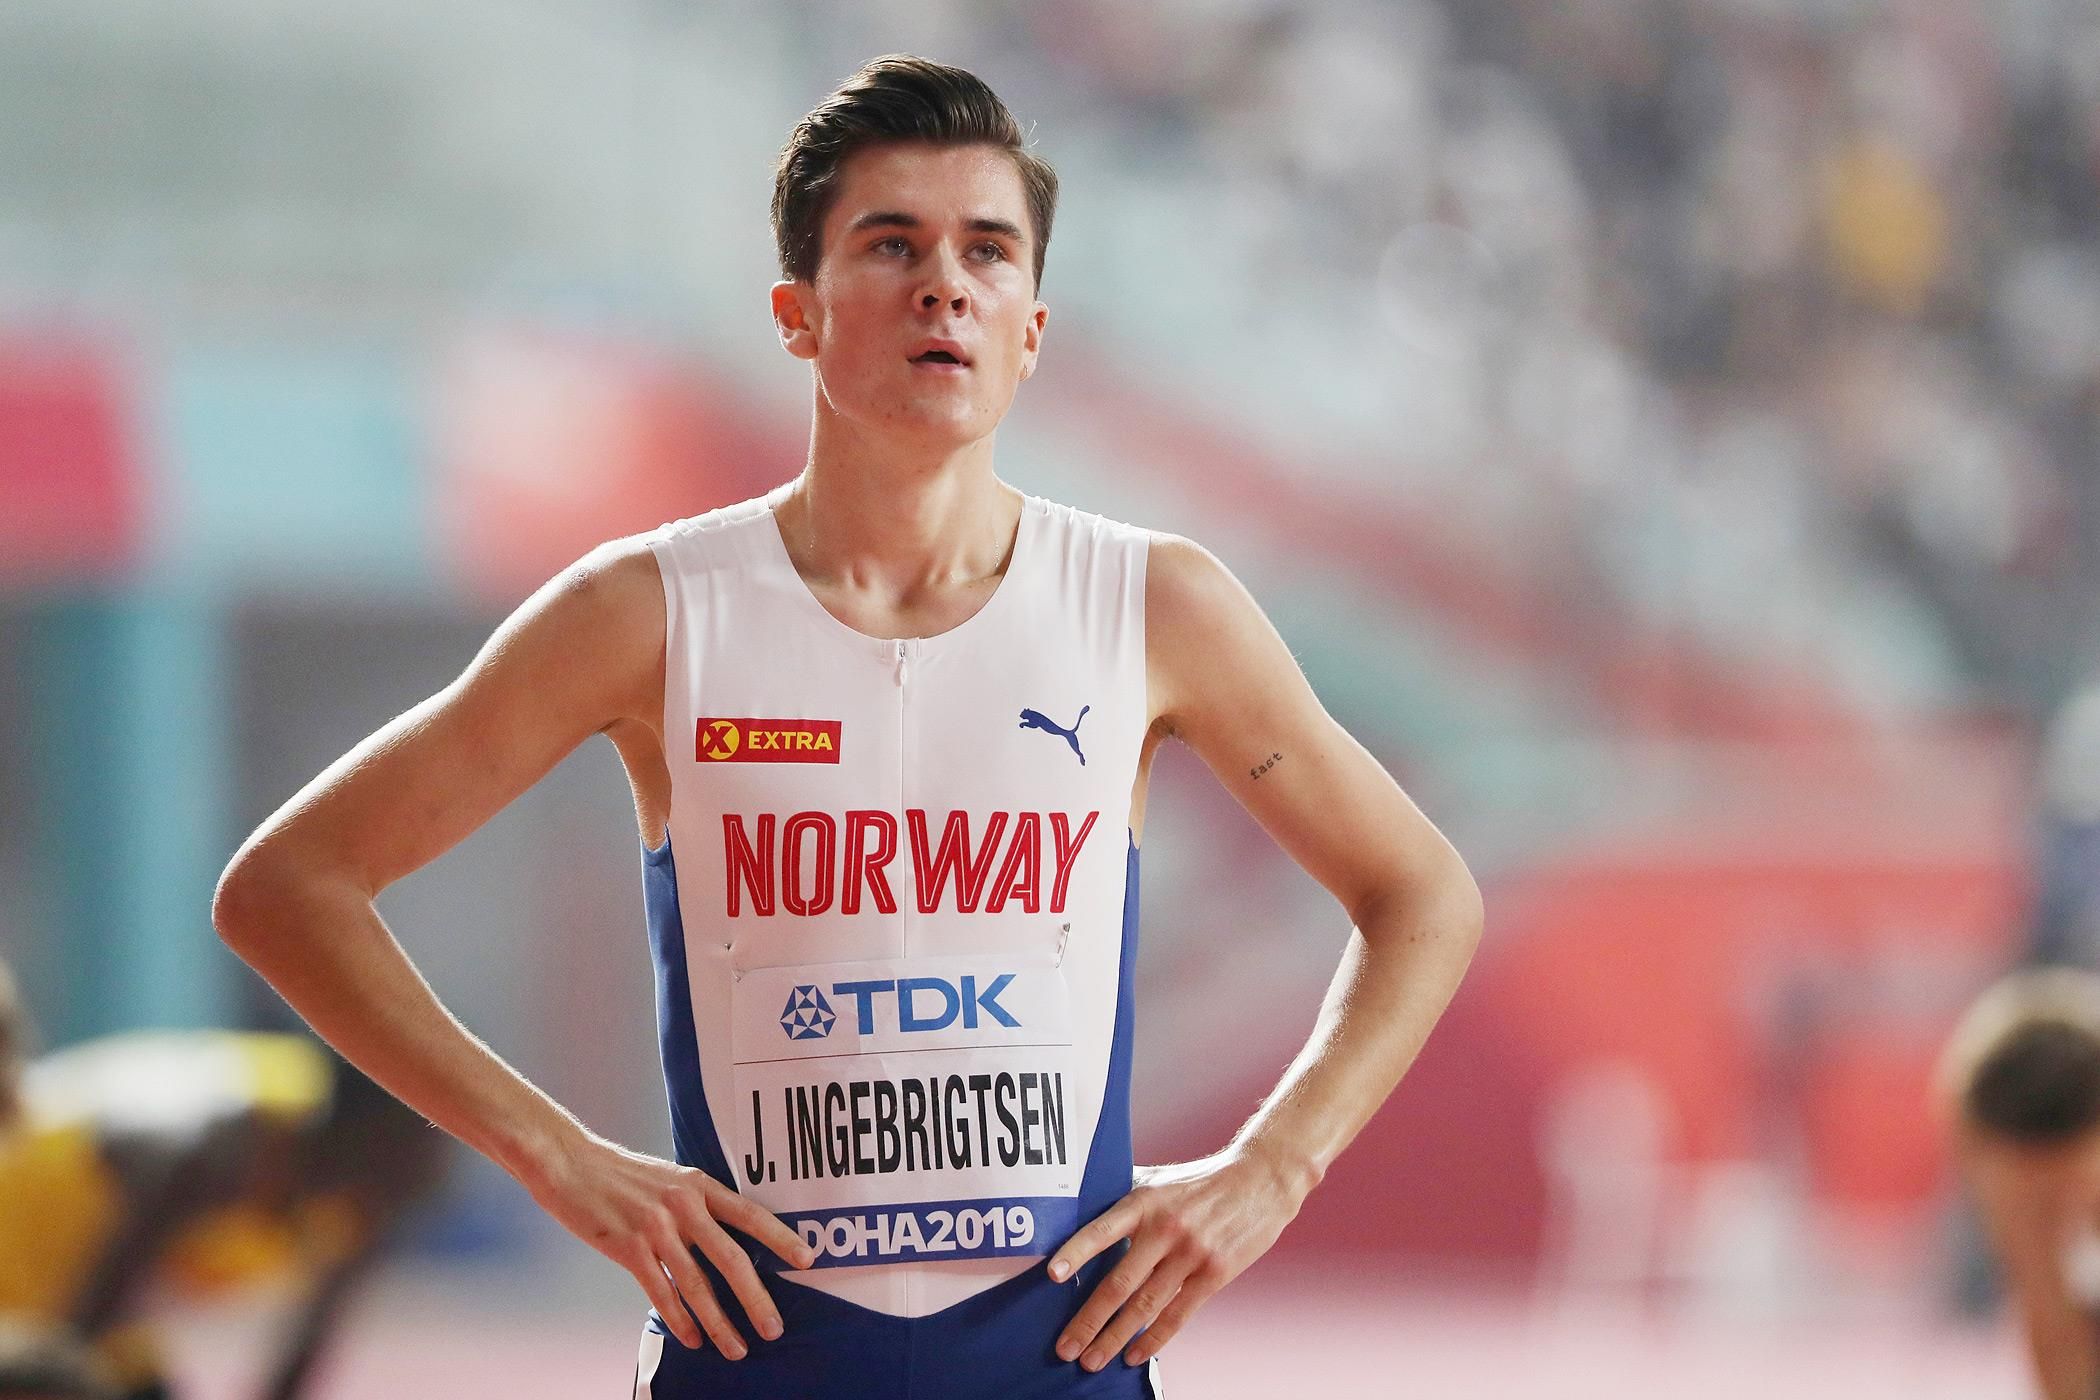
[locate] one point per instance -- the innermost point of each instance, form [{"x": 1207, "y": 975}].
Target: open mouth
[{"x": 939, "y": 353}]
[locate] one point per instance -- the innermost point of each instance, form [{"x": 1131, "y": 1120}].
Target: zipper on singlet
[
  {"x": 901, "y": 673},
  {"x": 907, "y": 1288}
]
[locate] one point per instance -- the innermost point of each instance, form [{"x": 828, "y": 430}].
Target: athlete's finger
[
  {"x": 735, "y": 1265},
  {"x": 1129, "y": 1274},
  {"x": 1130, "y": 1319},
  {"x": 762, "y": 1225},
  {"x": 699, "y": 1295},
  {"x": 664, "y": 1298},
  {"x": 1196, "y": 1290},
  {"x": 1090, "y": 1239}
]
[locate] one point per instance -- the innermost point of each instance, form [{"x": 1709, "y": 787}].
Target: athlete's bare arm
[
  {"x": 2031, "y": 1203},
  {"x": 1223, "y": 681},
  {"x": 584, "y": 655}
]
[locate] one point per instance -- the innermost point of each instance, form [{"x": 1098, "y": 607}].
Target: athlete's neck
[{"x": 898, "y": 525}]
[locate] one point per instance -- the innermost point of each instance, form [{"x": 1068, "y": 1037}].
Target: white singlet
[{"x": 894, "y": 955}]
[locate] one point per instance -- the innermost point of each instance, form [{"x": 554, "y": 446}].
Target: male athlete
[
  {"x": 2020, "y": 1085},
  {"x": 879, "y": 723}
]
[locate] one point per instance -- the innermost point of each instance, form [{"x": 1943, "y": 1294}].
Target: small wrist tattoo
[{"x": 1265, "y": 765}]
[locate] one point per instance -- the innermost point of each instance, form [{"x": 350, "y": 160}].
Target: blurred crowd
[
  {"x": 1791, "y": 306},
  {"x": 1771, "y": 326}
]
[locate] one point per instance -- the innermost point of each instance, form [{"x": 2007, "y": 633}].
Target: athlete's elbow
[
  {"x": 1452, "y": 920},
  {"x": 1445, "y": 904},
  {"x": 254, "y": 895},
  {"x": 1453, "y": 899},
  {"x": 238, "y": 902},
  {"x": 1469, "y": 911}
]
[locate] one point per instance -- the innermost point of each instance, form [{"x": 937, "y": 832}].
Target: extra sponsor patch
[{"x": 719, "y": 739}]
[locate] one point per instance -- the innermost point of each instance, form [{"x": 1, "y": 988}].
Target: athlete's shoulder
[
  {"x": 727, "y": 538},
  {"x": 592, "y": 635},
  {"x": 1103, "y": 557},
  {"x": 1188, "y": 591},
  {"x": 1086, "y": 523},
  {"x": 1205, "y": 635},
  {"x": 1186, "y": 583},
  {"x": 612, "y": 593},
  {"x": 719, "y": 523},
  {"x": 627, "y": 574}
]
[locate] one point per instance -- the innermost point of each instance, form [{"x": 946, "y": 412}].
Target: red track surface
[{"x": 1273, "y": 1334}]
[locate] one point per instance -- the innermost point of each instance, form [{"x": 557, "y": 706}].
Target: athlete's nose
[{"x": 944, "y": 282}]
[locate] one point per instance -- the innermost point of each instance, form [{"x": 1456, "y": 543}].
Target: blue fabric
[
  {"x": 693, "y": 1136},
  {"x": 997, "y": 1345}
]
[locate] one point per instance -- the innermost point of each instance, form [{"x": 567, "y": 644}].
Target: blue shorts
[{"x": 997, "y": 1345}]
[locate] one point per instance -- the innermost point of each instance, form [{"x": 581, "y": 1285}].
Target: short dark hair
[
  {"x": 2024, "y": 1067},
  {"x": 895, "y": 98}
]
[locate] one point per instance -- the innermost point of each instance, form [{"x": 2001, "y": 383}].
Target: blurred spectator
[
  {"x": 2067, "y": 914},
  {"x": 203, "y": 1162},
  {"x": 37, "y": 1364}
]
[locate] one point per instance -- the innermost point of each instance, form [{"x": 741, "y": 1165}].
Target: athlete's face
[{"x": 923, "y": 243}]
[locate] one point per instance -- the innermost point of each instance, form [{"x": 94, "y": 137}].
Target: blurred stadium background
[{"x": 1664, "y": 429}]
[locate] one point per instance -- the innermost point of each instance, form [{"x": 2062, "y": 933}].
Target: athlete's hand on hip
[
  {"x": 645, "y": 1214},
  {"x": 1193, "y": 1227}
]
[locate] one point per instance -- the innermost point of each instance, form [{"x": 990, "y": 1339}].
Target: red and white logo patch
[{"x": 719, "y": 740}]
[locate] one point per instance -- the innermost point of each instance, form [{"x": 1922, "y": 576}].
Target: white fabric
[
  {"x": 935, "y": 725},
  {"x": 651, "y": 1357}
]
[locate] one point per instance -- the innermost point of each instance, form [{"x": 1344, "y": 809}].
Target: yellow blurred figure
[
  {"x": 203, "y": 1162},
  {"x": 1886, "y": 225}
]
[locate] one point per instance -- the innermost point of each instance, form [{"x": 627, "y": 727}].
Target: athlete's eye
[
  {"x": 997, "y": 252},
  {"x": 897, "y": 239}
]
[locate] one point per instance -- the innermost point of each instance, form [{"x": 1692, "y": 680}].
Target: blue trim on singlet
[
  {"x": 1108, "y": 1161},
  {"x": 693, "y": 1137},
  {"x": 996, "y": 1345}
]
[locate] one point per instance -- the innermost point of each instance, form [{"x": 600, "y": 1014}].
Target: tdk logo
[
  {"x": 927, "y": 1003},
  {"x": 807, "y": 1016}
]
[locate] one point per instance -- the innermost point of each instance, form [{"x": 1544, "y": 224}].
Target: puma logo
[{"x": 1036, "y": 719}]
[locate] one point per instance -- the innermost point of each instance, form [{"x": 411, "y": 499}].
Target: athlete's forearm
[
  {"x": 2064, "y": 1361},
  {"x": 320, "y": 942},
  {"x": 2061, "y": 1337},
  {"x": 1403, "y": 961},
  {"x": 2029, "y": 1215}
]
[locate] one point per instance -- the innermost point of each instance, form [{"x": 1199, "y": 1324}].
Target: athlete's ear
[
  {"x": 792, "y": 319},
  {"x": 1032, "y": 338}
]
